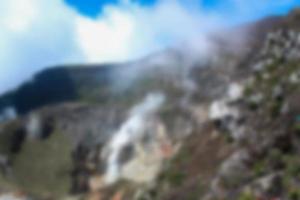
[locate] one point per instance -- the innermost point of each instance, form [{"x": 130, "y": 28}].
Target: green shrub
[
  {"x": 259, "y": 168},
  {"x": 173, "y": 176},
  {"x": 253, "y": 105},
  {"x": 275, "y": 159},
  {"x": 246, "y": 196},
  {"x": 294, "y": 194},
  {"x": 297, "y": 128},
  {"x": 293, "y": 165},
  {"x": 275, "y": 108},
  {"x": 176, "y": 178},
  {"x": 248, "y": 91}
]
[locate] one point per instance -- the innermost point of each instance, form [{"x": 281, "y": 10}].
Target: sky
[{"x": 37, "y": 34}]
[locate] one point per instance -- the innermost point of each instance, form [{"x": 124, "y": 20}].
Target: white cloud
[
  {"x": 37, "y": 33},
  {"x": 34, "y": 34},
  {"x": 108, "y": 38},
  {"x": 40, "y": 33},
  {"x": 131, "y": 31},
  {"x": 13, "y": 12}
]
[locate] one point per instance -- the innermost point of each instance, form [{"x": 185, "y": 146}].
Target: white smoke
[
  {"x": 8, "y": 113},
  {"x": 34, "y": 127},
  {"x": 131, "y": 130}
]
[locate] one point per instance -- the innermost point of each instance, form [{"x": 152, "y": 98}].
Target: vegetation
[
  {"x": 247, "y": 196},
  {"x": 48, "y": 172},
  {"x": 294, "y": 194}
]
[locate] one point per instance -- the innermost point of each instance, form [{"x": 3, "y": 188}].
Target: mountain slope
[{"x": 225, "y": 126}]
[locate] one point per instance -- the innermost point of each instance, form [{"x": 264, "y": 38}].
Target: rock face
[
  {"x": 226, "y": 127},
  {"x": 13, "y": 197}
]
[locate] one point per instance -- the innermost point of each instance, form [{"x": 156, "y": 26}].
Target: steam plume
[{"x": 132, "y": 130}]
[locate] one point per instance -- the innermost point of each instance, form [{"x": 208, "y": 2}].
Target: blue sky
[
  {"x": 36, "y": 34},
  {"x": 93, "y": 8}
]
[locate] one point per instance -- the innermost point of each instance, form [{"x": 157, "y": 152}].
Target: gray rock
[
  {"x": 294, "y": 78},
  {"x": 256, "y": 98},
  {"x": 269, "y": 185},
  {"x": 236, "y": 166},
  {"x": 277, "y": 92}
]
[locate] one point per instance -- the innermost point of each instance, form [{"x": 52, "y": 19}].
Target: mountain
[
  {"x": 222, "y": 123},
  {"x": 55, "y": 85}
]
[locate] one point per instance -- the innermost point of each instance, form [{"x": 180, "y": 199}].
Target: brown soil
[{"x": 199, "y": 160}]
